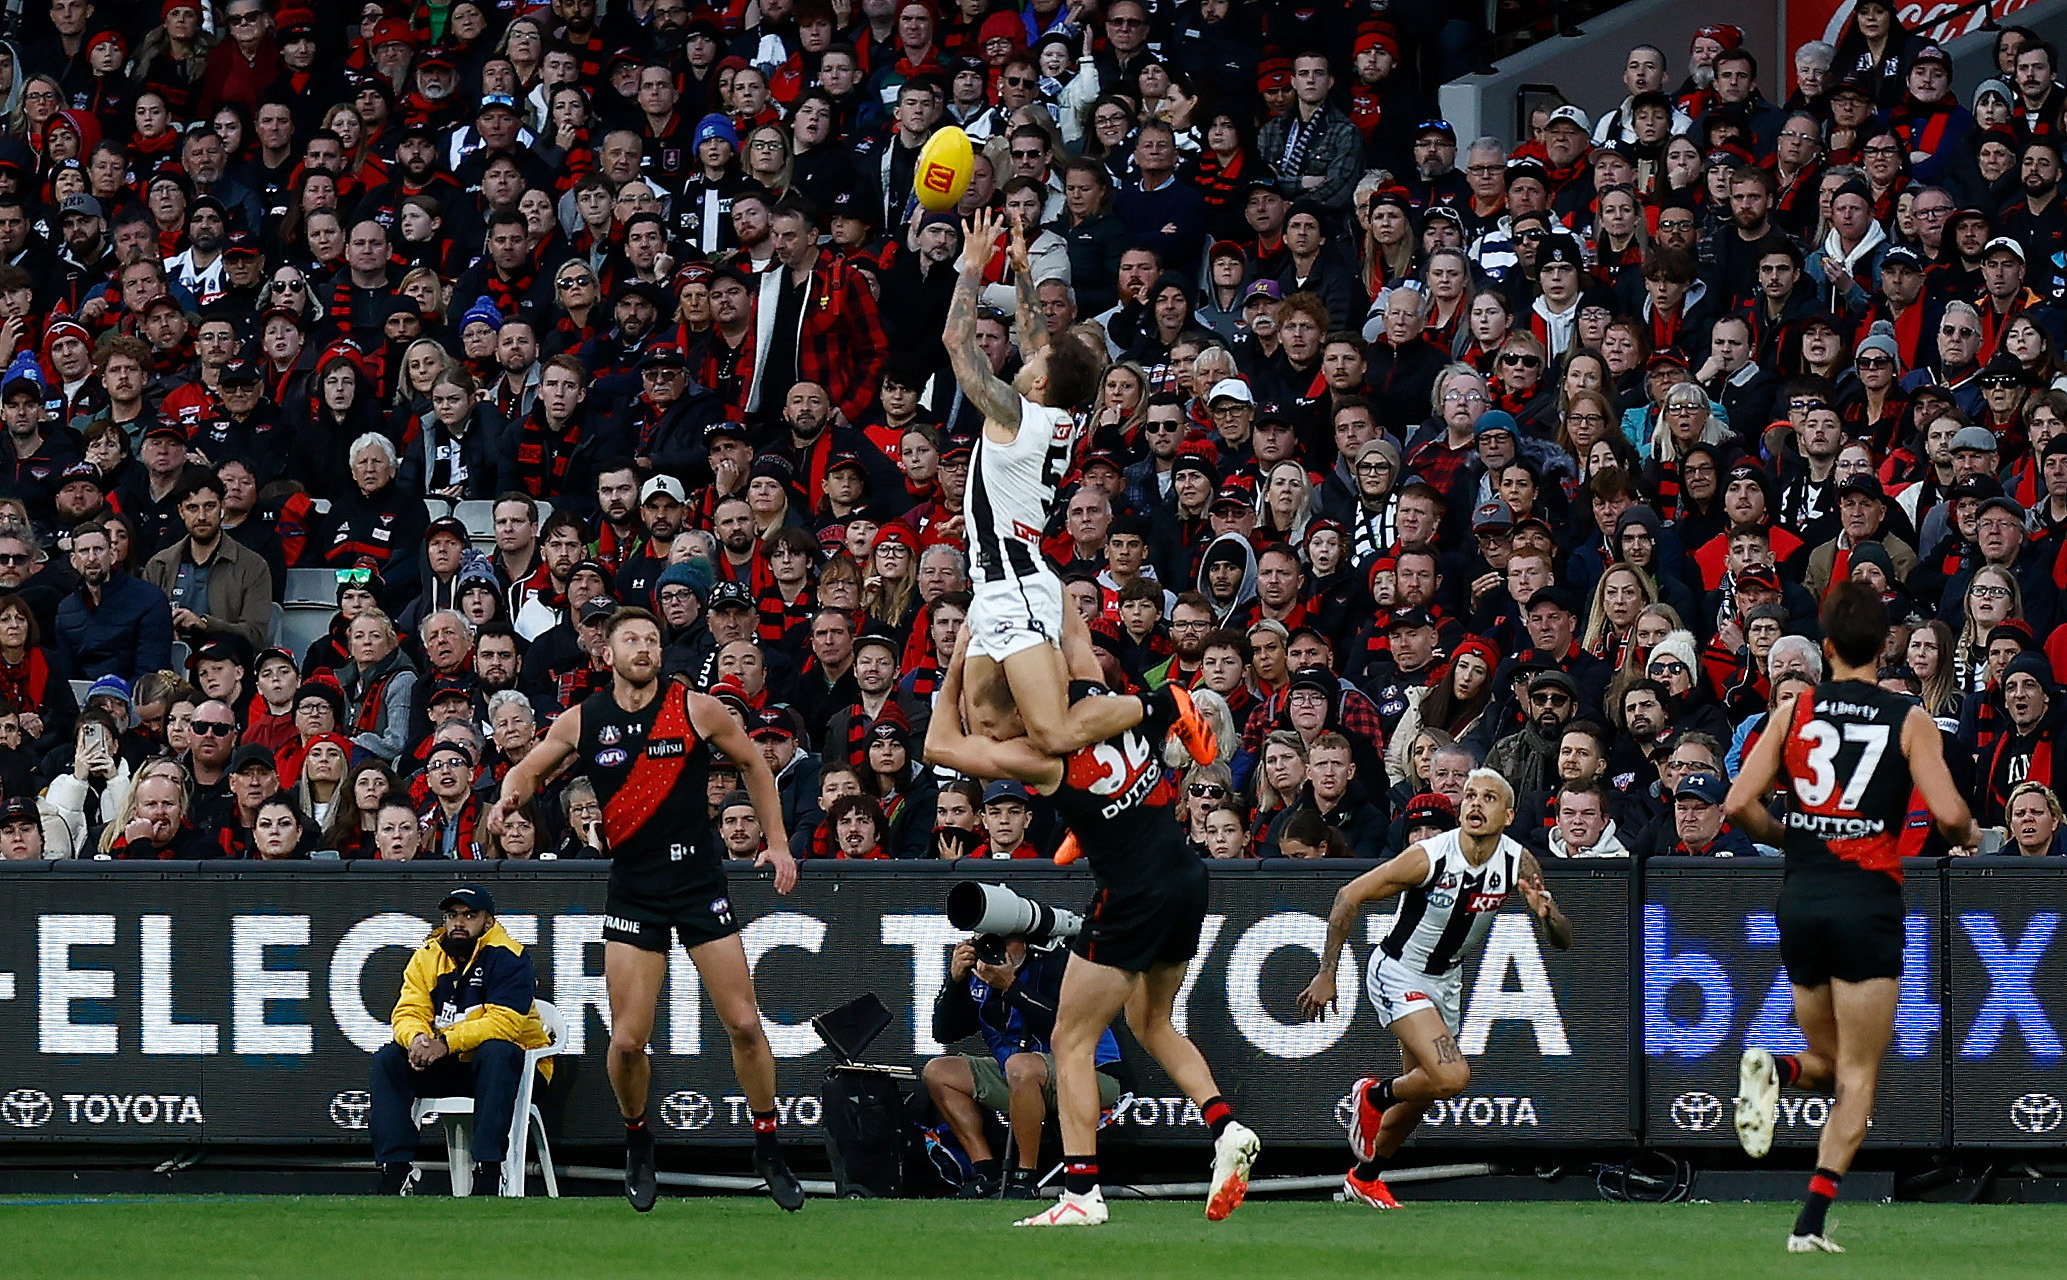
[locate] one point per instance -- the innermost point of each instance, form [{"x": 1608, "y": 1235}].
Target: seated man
[
  {"x": 1012, "y": 1006},
  {"x": 462, "y": 1024}
]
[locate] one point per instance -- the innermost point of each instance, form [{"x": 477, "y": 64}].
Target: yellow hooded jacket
[{"x": 488, "y": 998}]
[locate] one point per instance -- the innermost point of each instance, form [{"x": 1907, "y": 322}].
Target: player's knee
[
  {"x": 624, "y": 1044},
  {"x": 1449, "y": 1078},
  {"x": 745, "y": 1028}
]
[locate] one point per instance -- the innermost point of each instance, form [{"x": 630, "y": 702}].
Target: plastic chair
[
  {"x": 527, "y": 1124},
  {"x": 79, "y": 688},
  {"x": 478, "y": 515},
  {"x": 273, "y": 628},
  {"x": 301, "y": 625},
  {"x": 311, "y": 586}
]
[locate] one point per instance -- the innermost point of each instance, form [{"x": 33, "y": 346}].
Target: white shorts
[
  {"x": 1397, "y": 991},
  {"x": 1017, "y": 613}
]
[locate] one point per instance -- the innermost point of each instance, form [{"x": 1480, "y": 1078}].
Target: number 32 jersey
[
  {"x": 1852, "y": 792},
  {"x": 1012, "y": 492}
]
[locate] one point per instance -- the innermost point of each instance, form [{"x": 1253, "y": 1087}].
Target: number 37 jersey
[
  {"x": 1012, "y": 492},
  {"x": 1852, "y": 792}
]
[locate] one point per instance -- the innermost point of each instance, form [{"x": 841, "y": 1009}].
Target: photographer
[{"x": 1006, "y": 992}]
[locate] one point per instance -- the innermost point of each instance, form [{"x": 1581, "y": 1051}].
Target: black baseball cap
[
  {"x": 251, "y": 753},
  {"x": 470, "y": 895},
  {"x": 730, "y": 595},
  {"x": 1409, "y": 618}
]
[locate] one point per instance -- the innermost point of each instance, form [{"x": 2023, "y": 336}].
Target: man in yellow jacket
[{"x": 462, "y": 1024}]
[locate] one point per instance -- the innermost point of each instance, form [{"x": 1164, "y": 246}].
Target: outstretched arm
[
  {"x": 562, "y": 739},
  {"x": 1033, "y": 326},
  {"x": 1551, "y": 924},
  {"x": 985, "y": 389},
  {"x": 1403, "y": 872}
]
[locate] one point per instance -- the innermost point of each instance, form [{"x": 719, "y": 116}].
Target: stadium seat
[
  {"x": 527, "y": 1125},
  {"x": 273, "y": 628},
  {"x": 437, "y": 508},
  {"x": 478, "y": 517},
  {"x": 301, "y": 625},
  {"x": 79, "y": 688},
  {"x": 311, "y": 586}
]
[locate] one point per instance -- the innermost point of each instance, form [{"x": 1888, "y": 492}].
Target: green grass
[{"x": 341, "y": 1239}]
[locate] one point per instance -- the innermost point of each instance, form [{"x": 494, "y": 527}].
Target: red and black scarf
[{"x": 543, "y": 455}]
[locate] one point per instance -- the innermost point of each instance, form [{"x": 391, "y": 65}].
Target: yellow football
[{"x": 946, "y": 163}]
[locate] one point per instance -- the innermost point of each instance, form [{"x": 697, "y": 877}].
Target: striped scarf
[{"x": 542, "y": 459}]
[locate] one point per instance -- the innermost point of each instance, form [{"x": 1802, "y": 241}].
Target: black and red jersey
[{"x": 1852, "y": 793}]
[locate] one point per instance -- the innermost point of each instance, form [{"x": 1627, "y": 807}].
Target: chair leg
[
  {"x": 513, "y": 1154},
  {"x": 459, "y": 1156},
  {"x": 545, "y": 1154}
]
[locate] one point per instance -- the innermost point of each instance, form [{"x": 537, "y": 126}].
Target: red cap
[{"x": 391, "y": 31}]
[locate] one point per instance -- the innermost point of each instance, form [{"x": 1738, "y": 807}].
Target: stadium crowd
[{"x": 1421, "y": 451}]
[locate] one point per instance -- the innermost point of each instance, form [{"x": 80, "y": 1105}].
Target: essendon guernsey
[{"x": 1852, "y": 793}]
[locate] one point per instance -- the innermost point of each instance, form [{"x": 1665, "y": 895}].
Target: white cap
[
  {"x": 1573, "y": 114},
  {"x": 661, "y": 484},
  {"x": 1231, "y": 389}
]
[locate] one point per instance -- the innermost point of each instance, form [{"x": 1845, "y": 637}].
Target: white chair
[
  {"x": 527, "y": 1124},
  {"x": 79, "y": 688},
  {"x": 273, "y": 628}
]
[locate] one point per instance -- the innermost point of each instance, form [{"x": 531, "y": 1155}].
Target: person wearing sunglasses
[{"x": 1527, "y": 758}]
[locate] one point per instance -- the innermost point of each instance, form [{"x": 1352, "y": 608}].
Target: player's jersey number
[{"x": 1824, "y": 741}]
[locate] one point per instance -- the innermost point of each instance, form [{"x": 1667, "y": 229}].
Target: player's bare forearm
[
  {"x": 987, "y": 391},
  {"x": 761, "y": 789},
  {"x": 1376, "y": 885},
  {"x": 552, "y": 751},
  {"x": 1551, "y": 924},
  {"x": 1033, "y": 326}
]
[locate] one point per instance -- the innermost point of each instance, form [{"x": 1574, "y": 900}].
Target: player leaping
[
  {"x": 1450, "y": 885},
  {"x": 1140, "y": 932},
  {"x": 1840, "y": 909},
  {"x": 642, "y": 743},
  {"x": 1026, "y": 448}
]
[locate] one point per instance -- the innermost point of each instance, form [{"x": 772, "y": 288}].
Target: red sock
[
  {"x": 1217, "y": 1114},
  {"x": 1790, "y": 1069}
]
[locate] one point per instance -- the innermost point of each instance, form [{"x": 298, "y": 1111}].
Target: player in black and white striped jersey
[
  {"x": 1449, "y": 886},
  {"x": 1027, "y": 447}
]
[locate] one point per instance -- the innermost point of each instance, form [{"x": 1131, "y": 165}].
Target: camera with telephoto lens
[{"x": 994, "y": 913}]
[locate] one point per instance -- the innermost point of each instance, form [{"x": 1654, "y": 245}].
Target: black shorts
[
  {"x": 1850, "y": 930},
  {"x": 1138, "y": 928},
  {"x": 696, "y": 917}
]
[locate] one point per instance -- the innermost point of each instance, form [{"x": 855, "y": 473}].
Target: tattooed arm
[
  {"x": 1033, "y": 326},
  {"x": 987, "y": 391}
]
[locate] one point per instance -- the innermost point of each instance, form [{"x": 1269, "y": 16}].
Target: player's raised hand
[
  {"x": 785, "y": 868},
  {"x": 1318, "y": 1000},
  {"x": 501, "y": 809},
  {"x": 1538, "y": 894},
  {"x": 1021, "y": 260},
  {"x": 979, "y": 241}
]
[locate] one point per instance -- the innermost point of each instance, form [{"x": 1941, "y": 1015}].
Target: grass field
[{"x": 342, "y": 1239}]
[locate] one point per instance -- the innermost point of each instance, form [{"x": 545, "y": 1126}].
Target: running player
[
  {"x": 1450, "y": 885},
  {"x": 1840, "y": 909},
  {"x": 1140, "y": 932},
  {"x": 1026, "y": 448},
  {"x": 642, "y": 743}
]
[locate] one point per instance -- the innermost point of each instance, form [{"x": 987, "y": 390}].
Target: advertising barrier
[{"x": 239, "y": 1003}]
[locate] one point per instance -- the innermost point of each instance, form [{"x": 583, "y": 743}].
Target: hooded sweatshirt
[{"x": 1226, "y": 546}]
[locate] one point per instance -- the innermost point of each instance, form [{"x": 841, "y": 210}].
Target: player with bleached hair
[{"x": 1449, "y": 887}]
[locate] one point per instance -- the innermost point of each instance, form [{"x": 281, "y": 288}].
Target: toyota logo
[
  {"x": 687, "y": 1109},
  {"x": 348, "y": 1109},
  {"x": 31, "y": 1108},
  {"x": 1697, "y": 1112},
  {"x": 2034, "y": 1113}
]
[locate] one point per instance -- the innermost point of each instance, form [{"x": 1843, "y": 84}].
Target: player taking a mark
[
  {"x": 1450, "y": 886},
  {"x": 1141, "y": 930},
  {"x": 1026, "y": 449},
  {"x": 1840, "y": 908},
  {"x": 642, "y": 743}
]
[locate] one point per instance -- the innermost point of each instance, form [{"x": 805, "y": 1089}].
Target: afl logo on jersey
[
  {"x": 611, "y": 757},
  {"x": 608, "y": 734}
]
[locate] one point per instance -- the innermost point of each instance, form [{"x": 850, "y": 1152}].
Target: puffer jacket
[{"x": 490, "y": 997}]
